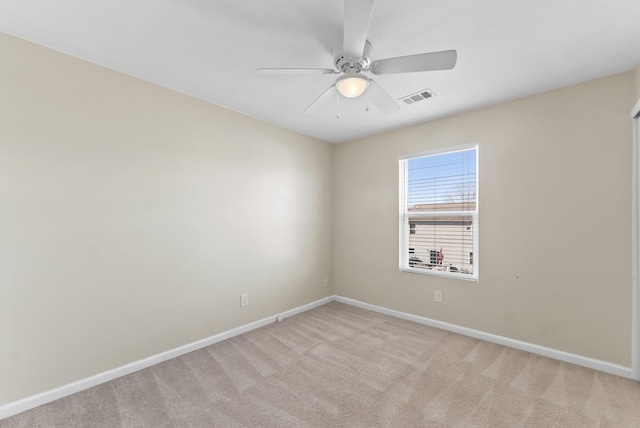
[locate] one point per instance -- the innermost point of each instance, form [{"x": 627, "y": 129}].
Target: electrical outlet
[
  {"x": 244, "y": 299},
  {"x": 326, "y": 282},
  {"x": 437, "y": 296}
]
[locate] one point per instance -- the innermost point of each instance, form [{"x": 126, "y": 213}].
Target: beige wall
[
  {"x": 555, "y": 193},
  {"x": 132, "y": 217}
]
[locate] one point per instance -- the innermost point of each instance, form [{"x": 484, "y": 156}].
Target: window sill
[{"x": 452, "y": 275}]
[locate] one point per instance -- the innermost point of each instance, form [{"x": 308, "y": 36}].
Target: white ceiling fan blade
[
  {"x": 443, "y": 60},
  {"x": 357, "y": 15},
  {"x": 296, "y": 71},
  {"x": 381, "y": 99},
  {"x": 321, "y": 100}
]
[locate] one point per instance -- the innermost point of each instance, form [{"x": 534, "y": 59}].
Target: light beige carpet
[{"x": 340, "y": 366}]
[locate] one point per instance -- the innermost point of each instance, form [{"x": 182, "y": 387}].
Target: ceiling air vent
[{"x": 418, "y": 96}]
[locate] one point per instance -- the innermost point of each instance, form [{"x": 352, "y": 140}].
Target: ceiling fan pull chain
[{"x": 338, "y": 106}]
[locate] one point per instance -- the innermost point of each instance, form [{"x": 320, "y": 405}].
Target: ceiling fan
[{"x": 354, "y": 59}]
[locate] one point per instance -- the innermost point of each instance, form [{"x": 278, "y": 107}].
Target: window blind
[{"x": 439, "y": 213}]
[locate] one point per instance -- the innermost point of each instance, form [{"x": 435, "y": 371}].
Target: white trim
[
  {"x": 635, "y": 111},
  {"x": 443, "y": 274},
  {"x": 403, "y": 233},
  {"x": 602, "y": 366},
  {"x": 439, "y": 151},
  {"x": 476, "y": 219},
  {"x": 635, "y": 261},
  {"x": 403, "y": 213},
  {"x": 27, "y": 403}
]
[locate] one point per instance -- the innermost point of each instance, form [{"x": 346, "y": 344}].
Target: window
[
  {"x": 433, "y": 257},
  {"x": 439, "y": 213}
]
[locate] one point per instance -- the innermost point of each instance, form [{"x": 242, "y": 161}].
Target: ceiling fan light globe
[{"x": 352, "y": 86}]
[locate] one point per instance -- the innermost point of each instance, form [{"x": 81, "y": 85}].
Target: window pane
[
  {"x": 442, "y": 182},
  {"x": 442, "y": 244},
  {"x": 438, "y": 213}
]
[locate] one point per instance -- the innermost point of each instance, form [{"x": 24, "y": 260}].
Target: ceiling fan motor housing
[{"x": 343, "y": 63}]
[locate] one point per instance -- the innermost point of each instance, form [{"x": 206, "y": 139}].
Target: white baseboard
[
  {"x": 27, "y": 403},
  {"x": 599, "y": 365}
]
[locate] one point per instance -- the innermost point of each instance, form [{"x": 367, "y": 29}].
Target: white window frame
[
  {"x": 635, "y": 304},
  {"x": 404, "y": 216}
]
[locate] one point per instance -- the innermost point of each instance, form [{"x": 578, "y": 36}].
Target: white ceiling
[{"x": 210, "y": 49}]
